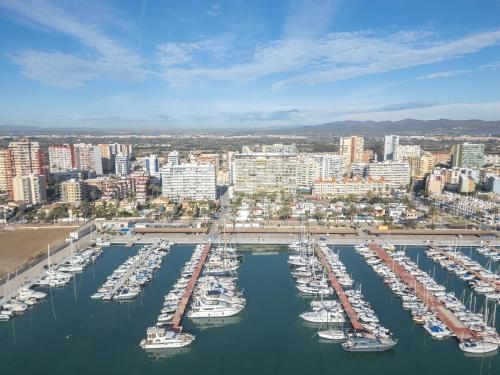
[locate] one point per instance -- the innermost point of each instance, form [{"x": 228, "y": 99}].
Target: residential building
[
  {"x": 435, "y": 184},
  {"x": 88, "y": 158},
  {"x": 404, "y": 152},
  {"x": 73, "y": 191},
  {"x": 308, "y": 170},
  {"x": 151, "y": 165},
  {"x": 188, "y": 181},
  {"x": 141, "y": 181},
  {"x": 261, "y": 172},
  {"x": 352, "y": 149},
  {"x": 493, "y": 184},
  {"x": 391, "y": 144},
  {"x": 468, "y": 155},
  {"x": 173, "y": 158},
  {"x": 29, "y": 188},
  {"x": 357, "y": 170},
  {"x": 61, "y": 158},
  {"x": 26, "y": 158},
  {"x": 6, "y": 171},
  {"x": 331, "y": 166},
  {"x": 345, "y": 187},
  {"x": 108, "y": 158},
  {"x": 280, "y": 148},
  {"x": 122, "y": 165},
  {"x": 466, "y": 184},
  {"x": 492, "y": 159},
  {"x": 395, "y": 173},
  {"x": 369, "y": 156},
  {"x": 426, "y": 164}
]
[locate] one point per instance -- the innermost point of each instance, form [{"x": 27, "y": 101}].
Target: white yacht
[
  {"x": 161, "y": 338},
  {"x": 324, "y": 316},
  {"x": 210, "y": 309},
  {"x": 332, "y": 334},
  {"x": 477, "y": 347}
]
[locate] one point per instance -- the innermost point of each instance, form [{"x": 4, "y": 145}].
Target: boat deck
[
  {"x": 446, "y": 316},
  {"x": 181, "y": 308},
  {"x": 356, "y": 324},
  {"x": 468, "y": 268}
]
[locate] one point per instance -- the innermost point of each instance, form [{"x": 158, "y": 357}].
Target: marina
[
  {"x": 481, "y": 280},
  {"x": 285, "y": 347},
  {"x": 126, "y": 281},
  {"x": 443, "y": 314}
]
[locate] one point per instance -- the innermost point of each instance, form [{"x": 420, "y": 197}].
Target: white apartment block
[
  {"x": 345, "y": 187},
  {"x": 188, "y": 181},
  {"x": 391, "y": 144},
  {"x": 30, "y": 188},
  {"x": 394, "y": 173},
  {"x": 404, "y": 152},
  {"x": 122, "y": 165},
  {"x": 88, "y": 158},
  {"x": 311, "y": 167},
  {"x": 61, "y": 158},
  {"x": 262, "y": 172},
  {"x": 308, "y": 170}
]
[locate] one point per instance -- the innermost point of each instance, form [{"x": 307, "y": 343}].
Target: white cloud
[
  {"x": 445, "y": 74},
  {"x": 338, "y": 56},
  {"x": 64, "y": 69},
  {"x": 214, "y": 10}
]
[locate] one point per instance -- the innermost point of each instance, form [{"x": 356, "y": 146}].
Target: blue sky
[{"x": 240, "y": 64}]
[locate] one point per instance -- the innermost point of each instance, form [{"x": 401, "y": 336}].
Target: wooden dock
[
  {"x": 181, "y": 308},
  {"x": 445, "y": 315},
  {"x": 468, "y": 268},
  {"x": 356, "y": 324}
]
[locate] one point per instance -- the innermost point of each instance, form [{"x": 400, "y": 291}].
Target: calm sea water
[{"x": 70, "y": 333}]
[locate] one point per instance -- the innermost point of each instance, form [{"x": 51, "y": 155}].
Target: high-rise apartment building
[
  {"x": 61, "y": 158},
  {"x": 188, "y": 181},
  {"x": 29, "y": 188},
  {"x": 108, "y": 159},
  {"x": 308, "y": 170},
  {"x": 151, "y": 165},
  {"x": 468, "y": 155},
  {"x": 122, "y": 165},
  {"x": 255, "y": 172},
  {"x": 88, "y": 158},
  {"x": 396, "y": 173},
  {"x": 6, "y": 171},
  {"x": 391, "y": 143},
  {"x": 26, "y": 157},
  {"x": 352, "y": 149}
]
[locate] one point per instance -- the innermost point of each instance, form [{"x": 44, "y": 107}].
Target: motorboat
[{"x": 161, "y": 338}]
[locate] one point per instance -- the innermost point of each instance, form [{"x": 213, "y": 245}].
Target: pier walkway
[
  {"x": 111, "y": 293},
  {"x": 468, "y": 268},
  {"x": 181, "y": 308},
  {"x": 356, "y": 324},
  {"x": 446, "y": 316}
]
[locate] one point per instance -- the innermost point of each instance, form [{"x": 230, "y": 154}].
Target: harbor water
[{"x": 71, "y": 333}]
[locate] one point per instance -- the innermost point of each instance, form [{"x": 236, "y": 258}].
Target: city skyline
[{"x": 238, "y": 64}]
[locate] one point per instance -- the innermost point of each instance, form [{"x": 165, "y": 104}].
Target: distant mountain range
[
  {"x": 403, "y": 127},
  {"x": 337, "y": 128}
]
